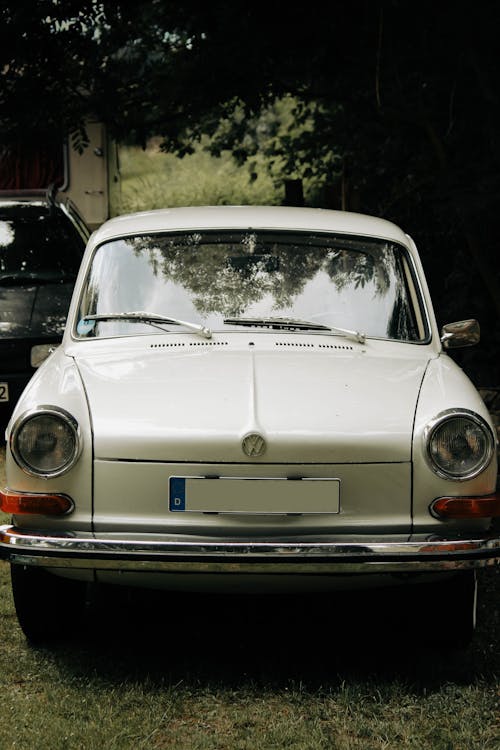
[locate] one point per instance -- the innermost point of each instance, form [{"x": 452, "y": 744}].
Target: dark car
[{"x": 42, "y": 239}]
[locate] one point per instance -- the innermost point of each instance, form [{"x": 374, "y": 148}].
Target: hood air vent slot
[
  {"x": 344, "y": 347},
  {"x": 183, "y": 344}
]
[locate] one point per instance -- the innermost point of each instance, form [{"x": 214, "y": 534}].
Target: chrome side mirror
[{"x": 462, "y": 333}]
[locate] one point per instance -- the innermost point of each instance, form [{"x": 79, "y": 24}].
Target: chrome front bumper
[{"x": 179, "y": 554}]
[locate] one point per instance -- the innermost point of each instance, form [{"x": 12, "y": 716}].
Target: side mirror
[
  {"x": 462, "y": 333},
  {"x": 40, "y": 353}
]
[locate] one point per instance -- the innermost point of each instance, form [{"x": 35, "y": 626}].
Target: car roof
[
  {"x": 47, "y": 201},
  {"x": 13, "y": 202},
  {"x": 39, "y": 197},
  {"x": 248, "y": 217}
]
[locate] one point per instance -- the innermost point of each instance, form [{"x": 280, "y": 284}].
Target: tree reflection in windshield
[{"x": 326, "y": 279}]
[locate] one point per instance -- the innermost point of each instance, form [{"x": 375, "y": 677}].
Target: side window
[{"x": 415, "y": 307}]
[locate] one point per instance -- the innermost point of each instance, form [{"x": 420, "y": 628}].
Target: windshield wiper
[
  {"x": 291, "y": 324},
  {"x": 145, "y": 317},
  {"x": 37, "y": 279}
]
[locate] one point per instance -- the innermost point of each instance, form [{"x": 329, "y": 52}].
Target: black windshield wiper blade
[
  {"x": 146, "y": 317},
  {"x": 292, "y": 324},
  {"x": 37, "y": 279}
]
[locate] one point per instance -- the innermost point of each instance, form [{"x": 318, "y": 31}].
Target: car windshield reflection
[{"x": 336, "y": 283}]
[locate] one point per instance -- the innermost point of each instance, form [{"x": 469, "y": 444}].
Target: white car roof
[{"x": 248, "y": 217}]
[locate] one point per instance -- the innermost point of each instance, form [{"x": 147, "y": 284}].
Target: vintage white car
[{"x": 251, "y": 398}]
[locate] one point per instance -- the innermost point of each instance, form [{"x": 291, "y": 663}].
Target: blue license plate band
[{"x": 177, "y": 494}]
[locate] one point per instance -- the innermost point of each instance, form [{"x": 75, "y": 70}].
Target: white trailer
[{"x": 87, "y": 177}]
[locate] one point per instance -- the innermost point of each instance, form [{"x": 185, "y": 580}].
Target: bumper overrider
[{"x": 189, "y": 554}]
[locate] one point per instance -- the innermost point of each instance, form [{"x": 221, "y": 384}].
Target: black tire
[
  {"x": 449, "y": 609},
  {"x": 49, "y": 608}
]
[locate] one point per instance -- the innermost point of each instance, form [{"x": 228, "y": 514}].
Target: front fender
[
  {"x": 445, "y": 386},
  {"x": 56, "y": 383}
]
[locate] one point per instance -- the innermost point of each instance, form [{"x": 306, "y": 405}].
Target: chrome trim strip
[{"x": 168, "y": 553}]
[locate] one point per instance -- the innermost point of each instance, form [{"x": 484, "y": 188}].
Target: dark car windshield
[
  {"x": 36, "y": 244},
  {"x": 219, "y": 277}
]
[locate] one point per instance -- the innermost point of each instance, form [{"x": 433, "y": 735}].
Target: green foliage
[
  {"x": 153, "y": 179},
  {"x": 393, "y": 107},
  {"x": 79, "y": 139},
  {"x": 281, "y": 139}
]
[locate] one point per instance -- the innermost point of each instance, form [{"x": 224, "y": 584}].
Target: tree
[{"x": 398, "y": 103}]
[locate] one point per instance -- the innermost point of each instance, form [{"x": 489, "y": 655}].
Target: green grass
[
  {"x": 152, "y": 179},
  {"x": 207, "y": 673}
]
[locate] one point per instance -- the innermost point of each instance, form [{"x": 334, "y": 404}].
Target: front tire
[
  {"x": 49, "y": 608},
  {"x": 450, "y": 611}
]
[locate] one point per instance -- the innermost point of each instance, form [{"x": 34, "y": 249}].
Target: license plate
[
  {"x": 254, "y": 496},
  {"x": 4, "y": 392}
]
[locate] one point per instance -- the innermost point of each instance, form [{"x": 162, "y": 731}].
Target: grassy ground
[{"x": 204, "y": 673}]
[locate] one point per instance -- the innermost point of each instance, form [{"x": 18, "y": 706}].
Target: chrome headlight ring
[
  {"x": 46, "y": 441},
  {"x": 458, "y": 444}
]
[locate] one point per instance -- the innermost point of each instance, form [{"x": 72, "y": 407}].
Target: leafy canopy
[{"x": 392, "y": 106}]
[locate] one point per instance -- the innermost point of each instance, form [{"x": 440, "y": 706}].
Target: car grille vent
[
  {"x": 167, "y": 346},
  {"x": 182, "y": 344},
  {"x": 345, "y": 347},
  {"x": 208, "y": 343}
]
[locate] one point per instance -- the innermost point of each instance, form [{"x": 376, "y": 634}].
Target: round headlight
[
  {"x": 459, "y": 444},
  {"x": 46, "y": 442}
]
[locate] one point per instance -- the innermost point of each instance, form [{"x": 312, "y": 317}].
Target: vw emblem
[{"x": 253, "y": 445}]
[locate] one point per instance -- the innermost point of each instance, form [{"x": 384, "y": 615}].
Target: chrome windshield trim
[{"x": 170, "y": 553}]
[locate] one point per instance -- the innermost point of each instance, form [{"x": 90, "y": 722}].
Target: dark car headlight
[
  {"x": 46, "y": 442},
  {"x": 459, "y": 444}
]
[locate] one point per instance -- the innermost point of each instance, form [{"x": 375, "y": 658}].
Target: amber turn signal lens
[
  {"x": 17, "y": 503},
  {"x": 485, "y": 506}
]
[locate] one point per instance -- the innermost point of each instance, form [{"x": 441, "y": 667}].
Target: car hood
[
  {"x": 34, "y": 311},
  {"x": 339, "y": 404}
]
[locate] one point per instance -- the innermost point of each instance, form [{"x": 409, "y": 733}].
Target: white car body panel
[
  {"x": 182, "y": 399},
  {"x": 123, "y": 505},
  {"x": 58, "y": 377},
  {"x": 445, "y": 385},
  {"x": 263, "y": 217}
]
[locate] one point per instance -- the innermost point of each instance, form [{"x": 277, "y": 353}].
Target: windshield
[
  {"x": 216, "y": 278},
  {"x": 37, "y": 245}
]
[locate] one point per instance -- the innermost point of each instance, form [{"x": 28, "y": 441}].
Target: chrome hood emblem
[{"x": 253, "y": 445}]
